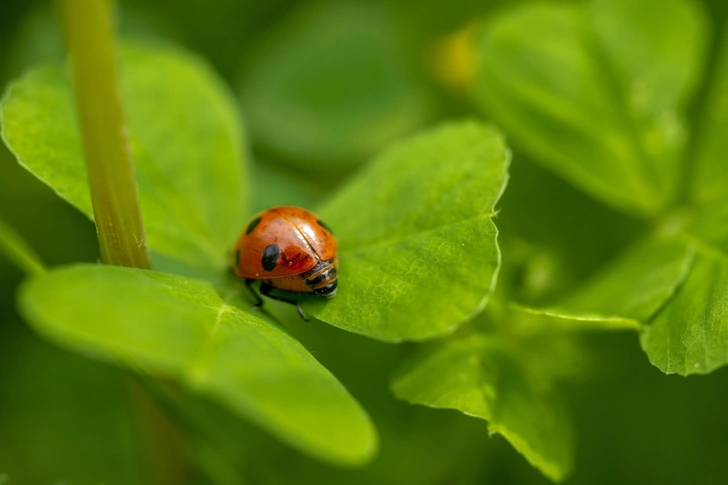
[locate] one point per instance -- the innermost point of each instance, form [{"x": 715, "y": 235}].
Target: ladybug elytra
[{"x": 289, "y": 249}]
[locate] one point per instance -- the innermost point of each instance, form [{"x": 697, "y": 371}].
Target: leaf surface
[
  {"x": 628, "y": 290},
  {"x": 417, "y": 246},
  {"x": 185, "y": 138},
  {"x": 636, "y": 283},
  {"x": 171, "y": 326},
  {"x": 596, "y": 93},
  {"x": 484, "y": 381},
  {"x": 710, "y": 179},
  {"x": 690, "y": 335}
]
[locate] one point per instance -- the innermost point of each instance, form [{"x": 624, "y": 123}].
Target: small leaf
[
  {"x": 596, "y": 95},
  {"x": 479, "y": 379},
  {"x": 185, "y": 136},
  {"x": 547, "y": 321},
  {"x": 417, "y": 247},
  {"x": 626, "y": 292},
  {"x": 331, "y": 85},
  {"x": 18, "y": 251},
  {"x": 690, "y": 335},
  {"x": 710, "y": 182},
  {"x": 635, "y": 284},
  {"x": 171, "y": 326}
]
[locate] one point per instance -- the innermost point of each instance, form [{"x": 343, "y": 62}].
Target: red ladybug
[{"x": 289, "y": 249}]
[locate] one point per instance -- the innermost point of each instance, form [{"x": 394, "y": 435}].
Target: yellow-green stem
[{"x": 88, "y": 34}]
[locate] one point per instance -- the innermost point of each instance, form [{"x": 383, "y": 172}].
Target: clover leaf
[
  {"x": 176, "y": 327},
  {"x": 439, "y": 261},
  {"x": 635, "y": 285},
  {"x": 417, "y": 246},
  {"x": 506, "y": 381},
  {"x": 598, "y": 93},
  {"x": 185, "y": 137}
]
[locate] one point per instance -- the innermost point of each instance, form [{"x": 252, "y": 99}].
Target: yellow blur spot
[{"x": 451, "y": 60}]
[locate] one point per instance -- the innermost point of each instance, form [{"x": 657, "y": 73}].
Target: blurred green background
[{"x": 323, "y": 86}]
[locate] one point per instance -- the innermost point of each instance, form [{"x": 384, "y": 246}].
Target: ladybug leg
[
  {"x": 265, "y": 291},
  {"x": 258, "y": 299},
  {"x": 301, "y": 314}
]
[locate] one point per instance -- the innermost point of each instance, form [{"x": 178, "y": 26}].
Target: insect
[{"x": 289, "y": 249}]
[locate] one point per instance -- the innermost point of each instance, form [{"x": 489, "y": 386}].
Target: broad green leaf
[
  {"x": 171, "y": 326},
  {"x": 690, "y": 335},
  {"x": 332, "y": 85},
  {"x": 417, "y": 246},
  {"x": 710, "y": 180},
  {"x": 185, "y": 136},
  {"x": 484, "y": 381},
  {"x": 596, "y": 94},
  {"x": 634, "y": 285}
]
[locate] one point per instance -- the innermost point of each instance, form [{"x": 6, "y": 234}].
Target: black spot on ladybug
[
  {"x": 237, "y": 258},
  {"x": 253, "y": 224},
  {"x": 321, "y": 223},
  {"x": 270, "y": 257}
]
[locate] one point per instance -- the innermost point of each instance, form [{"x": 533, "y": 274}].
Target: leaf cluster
[{"x": 505, "y": 284}]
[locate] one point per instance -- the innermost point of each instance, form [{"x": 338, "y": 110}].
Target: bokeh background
[{"x": 323, "y": 86}]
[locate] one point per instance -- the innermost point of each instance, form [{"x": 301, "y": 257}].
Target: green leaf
[
  {"x": 633, "y": 286},
  {"x": 170, "y": 326},
  {"x": 332, "y": 85},
  {"x": 417, "y": 246},
  {"x": 710, "y": 180},
  {"x": 596, "y": 94},
  {"x": 185, "y": 136},
  {"x": 18, "y": 251},
  {"x": 657, "y": 69},
  {"x": 480, "y": 379},
  {"x": 690, "y": 335},
  {"x": 559, "y": 320}
]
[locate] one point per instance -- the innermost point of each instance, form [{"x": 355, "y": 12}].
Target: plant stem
[
  {"x": 19, "y": 251},
  {"x": 88, "y": 34},
  {"x": 165, "y": 457}
]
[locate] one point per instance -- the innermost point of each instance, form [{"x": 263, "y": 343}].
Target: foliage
[
  {"x": 636, "y": 155},
  {"x": 171, "y": 326},
  {"x": 526, "y": 292}
]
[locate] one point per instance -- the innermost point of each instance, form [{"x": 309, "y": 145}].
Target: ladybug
[{"x": 289, "y": 249}]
